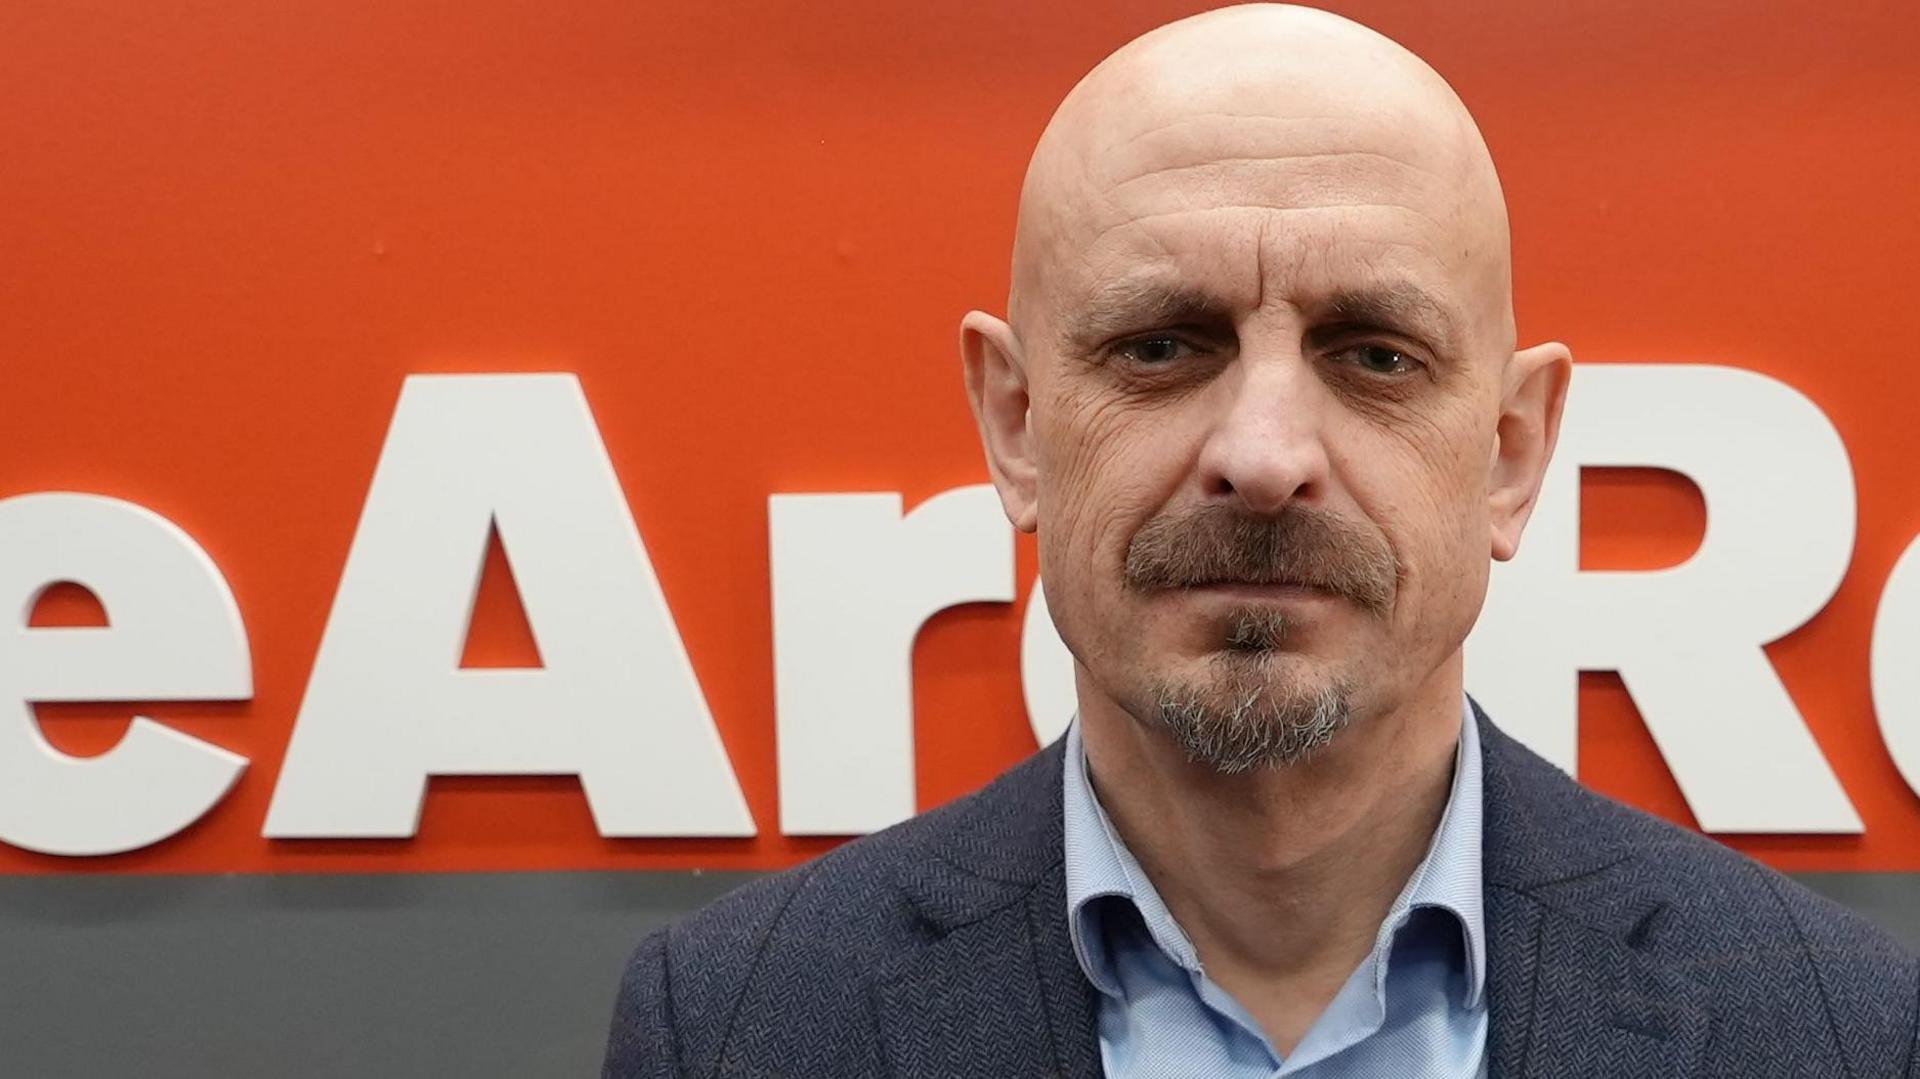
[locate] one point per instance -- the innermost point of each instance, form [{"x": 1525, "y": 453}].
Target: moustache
[{"x": 1298, "y": 546}]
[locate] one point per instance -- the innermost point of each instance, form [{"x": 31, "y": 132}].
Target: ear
[
  {"x": 997, "y": 389},
  {"x": 1533, "y": 394}
]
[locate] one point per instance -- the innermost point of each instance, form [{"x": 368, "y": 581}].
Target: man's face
[{"x": 1264, "y": 367}]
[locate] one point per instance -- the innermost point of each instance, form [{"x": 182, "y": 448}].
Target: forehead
[
  {"x": 1281, "y": 161},
  {"x": 1253, "y": 207}
]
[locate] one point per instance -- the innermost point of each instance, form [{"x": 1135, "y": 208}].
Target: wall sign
[
  {"x": 616, "y": 702},
  {"x": 537, "y": 442}
]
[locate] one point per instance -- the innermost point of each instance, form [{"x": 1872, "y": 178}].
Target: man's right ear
[{"x": 997, "y": 389}]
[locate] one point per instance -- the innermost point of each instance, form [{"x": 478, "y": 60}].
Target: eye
[
  {"x": 1155, "y": 351},
  {"x": 1380, "y": 359}
]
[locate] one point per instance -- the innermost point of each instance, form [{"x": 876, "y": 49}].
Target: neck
[{"x": 1281, "y": 877}]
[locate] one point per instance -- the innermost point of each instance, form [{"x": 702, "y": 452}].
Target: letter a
[{"x": 387, "y": 704}]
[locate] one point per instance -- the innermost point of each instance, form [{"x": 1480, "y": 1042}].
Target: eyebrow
[
  {"x": 1126, "y": 304},
  {"x": 1396, "y": 305}
]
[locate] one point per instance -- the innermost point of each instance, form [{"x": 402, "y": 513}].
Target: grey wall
[
  {"x": 381, "y": 975},
  {"x": 470, "y": 975}
]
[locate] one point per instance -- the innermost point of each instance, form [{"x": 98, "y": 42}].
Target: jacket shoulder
[
  {"x": 778, "y": 968},
  {"x": 1740, "y": 895},
  {"x": 1000, "y": 834},
  {"x": 1782, "y": 960}
]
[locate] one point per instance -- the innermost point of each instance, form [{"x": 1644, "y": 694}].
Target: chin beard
[{"x": 1248, "y": 716}]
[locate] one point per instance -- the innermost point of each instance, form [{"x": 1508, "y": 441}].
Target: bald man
[{"x": 1258, "y": 395}]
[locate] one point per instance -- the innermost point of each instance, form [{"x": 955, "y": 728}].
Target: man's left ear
[{"x": 1532, "y": 397}]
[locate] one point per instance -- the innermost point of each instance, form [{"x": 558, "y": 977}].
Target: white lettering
[
  {"x": 1046, "y": 671},
  {"x": 387, "y": 705},
  {"x": 1686, "y": 640},
  {"x": 1895, "y": 663},
  {"x": 853, "y": 581},
  {"x": 174, "y": 634}
]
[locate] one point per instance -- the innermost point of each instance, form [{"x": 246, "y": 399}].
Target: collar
[{"x": 1099, "y": 865}]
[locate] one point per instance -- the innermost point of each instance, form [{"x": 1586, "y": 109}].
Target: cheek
[
  {"x": 1423, "y": 481},
  {"x": 1105, "y": 464}
]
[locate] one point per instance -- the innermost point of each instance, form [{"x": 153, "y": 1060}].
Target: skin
[{"x": 1262, "y": 267}]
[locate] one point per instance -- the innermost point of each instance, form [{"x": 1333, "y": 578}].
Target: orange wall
[{"x": 229, "y": 230}]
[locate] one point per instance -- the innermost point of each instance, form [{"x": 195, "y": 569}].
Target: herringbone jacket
[{"x": 1618, "y": 947}]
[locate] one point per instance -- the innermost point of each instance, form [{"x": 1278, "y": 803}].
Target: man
[{"x": 1258, "y": 395}]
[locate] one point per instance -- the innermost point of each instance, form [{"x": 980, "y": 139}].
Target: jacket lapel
[
  {"x": 971, "y": 1003},
  {"x": 1072, "y": 1001},
  {"x": 1570, "y": 989},
  {"x": 996, "y": 990}
]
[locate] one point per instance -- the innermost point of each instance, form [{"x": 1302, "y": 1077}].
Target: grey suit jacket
[{"x": 1619, "y": 946}]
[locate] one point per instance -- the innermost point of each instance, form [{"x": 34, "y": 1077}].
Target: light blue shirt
[{"x": 1415, "y": 1007}]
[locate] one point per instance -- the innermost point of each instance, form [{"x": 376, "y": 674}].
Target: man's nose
[{"x": 1266, "y": 445}]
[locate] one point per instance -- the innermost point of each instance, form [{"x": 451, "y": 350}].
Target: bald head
[
  {"x": 1261, "y": 343},
  {"x": 1270, "y": 115}
]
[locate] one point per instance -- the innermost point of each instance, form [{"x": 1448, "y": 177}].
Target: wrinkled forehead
[
  {"x": 1203, "y": 160},
  {"x": 1285, "y": 177}
]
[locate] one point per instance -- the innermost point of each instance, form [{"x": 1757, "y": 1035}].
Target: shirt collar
[{"x": 1098, "y": 864}]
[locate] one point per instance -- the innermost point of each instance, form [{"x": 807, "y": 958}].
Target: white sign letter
[
  {"x": 174, "y": 634},
  {"x": 1046, "y": 671},
  {"x": 1686, "y": 640},
  {"x": 387, "y": 704},
  {"x": 853, "y": 581},
  {"x": 1896, "y": 664}
]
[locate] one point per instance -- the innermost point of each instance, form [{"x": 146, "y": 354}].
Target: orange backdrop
[{"x": 229, "y": 230}]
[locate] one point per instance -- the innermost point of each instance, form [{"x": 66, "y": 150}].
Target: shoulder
[
  {"x": 1732, "y": 902},
  {"x": 1774, "y": 952},
  {"x": 993, "y": 841},
  {"x": 796, "y": 949}
]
